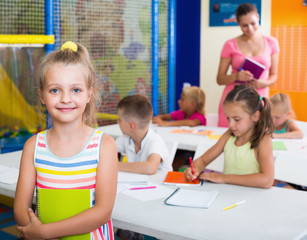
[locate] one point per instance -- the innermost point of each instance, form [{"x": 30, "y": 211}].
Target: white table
[
  {"x": 185, "y": 141},
  {"x": 275, "y": 213},
  {"x": 290, "y": 165},
  {"x": 11, "y": 160}
]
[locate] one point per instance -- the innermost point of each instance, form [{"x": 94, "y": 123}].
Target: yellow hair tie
[{"x": 70, "y": 45}]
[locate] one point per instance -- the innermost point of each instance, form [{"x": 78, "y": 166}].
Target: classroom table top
[
  {"x": 290, "y": 164},
  {"x": 275, "y": 213},
  {"x": 185, "y": 141}
]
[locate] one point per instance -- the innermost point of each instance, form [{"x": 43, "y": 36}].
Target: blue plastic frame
[
  {"x": 171, "y": 55},
  {"x": 49, "y": 47},
  {"x": 155, "y": 57}
]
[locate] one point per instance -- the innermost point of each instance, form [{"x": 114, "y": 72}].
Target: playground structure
[{"x": 128, "y": 40}]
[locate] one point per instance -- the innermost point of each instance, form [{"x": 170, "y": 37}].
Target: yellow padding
[
  {"x": 106, "y": 116},
  {"x": 13, "y": 106},
  {"x": 7, "y": 201},
  {"x": 30, "y": 39}
]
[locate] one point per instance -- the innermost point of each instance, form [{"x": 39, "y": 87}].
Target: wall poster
[{"x": 222, "y": 13}]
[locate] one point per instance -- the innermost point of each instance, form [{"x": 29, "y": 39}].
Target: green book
[
  {"x": 57, "y": 204},
  {"x": 279, "y": 145}
]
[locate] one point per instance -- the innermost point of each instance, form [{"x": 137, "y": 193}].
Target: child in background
[
  {"x": 145, "y": 150},
  {"x": 191, "y": 113},
  {"x": 247, "y": 144},
  {"x": 282, "y": 114},
  {"x": 71, "y": 154}
]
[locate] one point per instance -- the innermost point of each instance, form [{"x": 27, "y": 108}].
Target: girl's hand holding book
[{"x": 30, "y": 231}]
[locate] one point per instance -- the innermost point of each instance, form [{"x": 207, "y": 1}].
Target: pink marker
[
  {"x": 141, "y": 188},
  {"x": 192, "y": 168}
]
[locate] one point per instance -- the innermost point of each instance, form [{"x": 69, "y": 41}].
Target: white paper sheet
[
  {"x": 149, "y": 194},
  {"x": 122, "y": 187},
  {"x": 132, "y": 178}
]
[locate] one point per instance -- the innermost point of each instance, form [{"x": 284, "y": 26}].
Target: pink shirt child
[
  {"x": 231, "y": 50},
  {"x": 180, "y": 115}
]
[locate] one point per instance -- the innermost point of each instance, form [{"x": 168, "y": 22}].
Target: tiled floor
[{"x": 7, "y": 224}]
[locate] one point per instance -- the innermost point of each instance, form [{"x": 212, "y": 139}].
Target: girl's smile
[{"x": 66, "y": 109}]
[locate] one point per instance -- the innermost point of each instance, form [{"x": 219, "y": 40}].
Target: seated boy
[{"x": 145, "y": 150}]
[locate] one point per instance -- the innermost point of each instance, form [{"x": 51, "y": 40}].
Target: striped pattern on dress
[{"x": 77, "y": 172}]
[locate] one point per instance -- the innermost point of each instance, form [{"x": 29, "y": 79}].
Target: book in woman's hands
[
  {"x": 178, "y": 179},
  {"x": 191, "y": 198},
  {"x": 253, "y": 67}
]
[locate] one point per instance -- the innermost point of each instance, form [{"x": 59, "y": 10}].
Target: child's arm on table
[
  {"x": 160, "y": 118},
  {"x": 263, "y": 179},
  {"x": 26, "y": 183},
  {"x": 185, "y": 122},
  {"x": 205, "y": 159},
  {"x": 92, "y": 218},
  {"x": 149, "y": 166},
  {"x": 293, "y": 132}
]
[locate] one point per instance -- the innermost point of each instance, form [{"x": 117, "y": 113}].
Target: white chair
[
  {"x": 172, "y": 148},
  {"x": 217, "y": 164},
  {"x": 291, "y": 165},
  {"x": 290, "y": 168}
]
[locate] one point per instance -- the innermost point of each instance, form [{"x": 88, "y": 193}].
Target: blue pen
[{"x": 237, "y": 81}]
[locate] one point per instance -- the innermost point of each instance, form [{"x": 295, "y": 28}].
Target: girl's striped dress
[{"x": 77, "y": 172}]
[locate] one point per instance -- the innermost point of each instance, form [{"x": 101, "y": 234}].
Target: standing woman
[{"x": 251, "y": 44}]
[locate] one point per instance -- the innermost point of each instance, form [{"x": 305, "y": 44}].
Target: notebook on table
[
  {"x": 191, "y": 198},
  {"x": 253, "y": 66},
  {"x": 57, "y": 204},
  {"x": 178, "y": 179}
]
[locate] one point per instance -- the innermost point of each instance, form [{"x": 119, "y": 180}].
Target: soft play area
[{"x": 127, "y": 41}]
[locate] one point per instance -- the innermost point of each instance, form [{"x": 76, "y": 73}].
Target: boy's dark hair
[
  {"x": 137, "y": 106},
  {"x": 244, "y": 9},
  {"x": 251, "y": 101}
]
